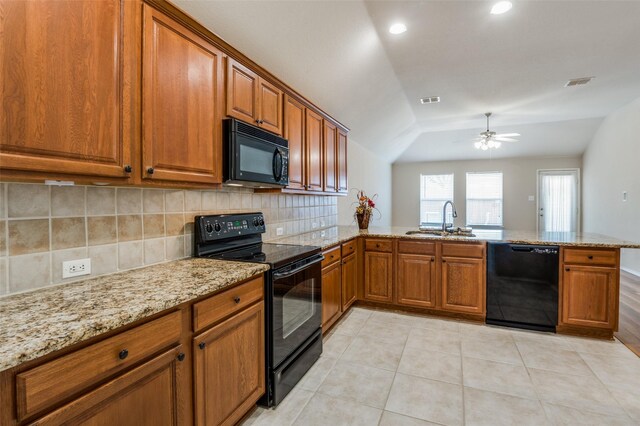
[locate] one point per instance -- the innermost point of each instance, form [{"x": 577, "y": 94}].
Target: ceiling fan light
[
  {"x": 485, "y": 147},
  {"x": 497, "y": 144},
  {"x": 491, "y": 143},
  {"x": 477, "y": 145}
]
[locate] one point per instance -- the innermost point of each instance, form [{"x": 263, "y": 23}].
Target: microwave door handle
[
  {"x": 277, "y": 165},
  {"x": 279, "y": 275}
]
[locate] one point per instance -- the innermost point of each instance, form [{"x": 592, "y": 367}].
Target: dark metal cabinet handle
[
  {"x": 202, "y": 345},
  {"x": 181, "y": 356},
  {"x": 444, "y": 261},
  {"x": 567, "y": 269},
  {"x": 150, "y": 170},
  {"x": 433, "y": 259},
  {"x": 128, "y": 169},
  {"x": 123, "y": 354},
  {"x": 236, "y": 299},
  {"x": 590, "y": 257},
  {"x": 257, "y": 121}
]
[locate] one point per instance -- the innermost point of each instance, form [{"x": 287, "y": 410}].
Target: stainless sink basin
[{"x": 441, "y": 233}]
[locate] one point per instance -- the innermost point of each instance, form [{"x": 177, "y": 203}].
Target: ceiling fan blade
[
  {"x": 507, "y": 135},
  {"x": 505, "y": 139}
]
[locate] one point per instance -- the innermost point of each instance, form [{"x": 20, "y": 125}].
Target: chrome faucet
[{"x": 444, "y": 214}]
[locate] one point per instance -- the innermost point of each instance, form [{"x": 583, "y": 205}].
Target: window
[
  {"x": 434, "y": 191},
  {"x": 484, "y": 199}
]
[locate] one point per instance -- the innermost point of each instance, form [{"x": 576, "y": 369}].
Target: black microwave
[{"x": 254, "y": 157}]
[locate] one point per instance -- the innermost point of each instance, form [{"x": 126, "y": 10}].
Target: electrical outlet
[
  {"x": 314, "y": 225},
  {"x": 279, "y": 231},
  {"x": 322, "y": 223},
  {"x": 76, "y": 268},
  {"x": 322, "y": 234}
]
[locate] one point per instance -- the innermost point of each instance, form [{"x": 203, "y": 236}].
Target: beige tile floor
[{"x": 391, "y": 369}]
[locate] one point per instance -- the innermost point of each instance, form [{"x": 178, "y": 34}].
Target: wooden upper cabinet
[
  {"x": 589, "y": 296},
  {"x": 416, "y": 280},
  {"x": 252, "y": 99},
  {"x": 463, "y": 285},
  {"x": 294, "y": 132},
  {"x": 182, "y": 89},
  {"x": 314, "y": 166},
  {"x": 229, "y": 368},
  {"x": 341, "y": 163},
  {"x": 63, "y": 86},
  {"x": 329, "y": 146},
  {"x": 378, "y": 276}
]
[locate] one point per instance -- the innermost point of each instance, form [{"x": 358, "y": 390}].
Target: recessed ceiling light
[
  {"x": 430, "y": 100},
  {"x": 501, "y": 7},
  {"x": 397, "y": 28}
]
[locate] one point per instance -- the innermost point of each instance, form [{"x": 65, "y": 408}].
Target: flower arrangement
[{"x": 364, "y": 208}]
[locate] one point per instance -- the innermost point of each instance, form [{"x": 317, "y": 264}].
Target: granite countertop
[
  {"x": 338, "y": 234},
  {"x": 43, "y": 321}
]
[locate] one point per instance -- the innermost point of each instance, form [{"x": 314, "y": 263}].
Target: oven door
[{"x": 297, "y": 310}]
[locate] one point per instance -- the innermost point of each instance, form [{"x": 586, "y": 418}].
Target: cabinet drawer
[
  {"x": 379, "y": 245},
  {"x": 416, "y": 247},
  {"x": 348, "y": 248},
  {"x": 220, "y": 306},
  {"x": 49, "y": 383},
  {"x": 331, "y": 256},
  {"x": 590, "y": 256},
  {"x": 463, "y": 250}
]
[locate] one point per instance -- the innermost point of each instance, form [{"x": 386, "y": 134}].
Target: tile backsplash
[{"x": 123, "y": 228}]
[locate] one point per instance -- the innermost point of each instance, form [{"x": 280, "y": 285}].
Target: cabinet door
[
  {"x": 589, "y": 296},
  {"x": 242, "y": 92},
  {"x": 314, "y": 151},
  {"x": 342, "y": 162},
  {"x": 182, "y": 78},
  {"x": 269, "y": 107},
  {"x": 229, "y": 368},
  {"x": 294, "y": 132},
  {"x": 378, "y": 276},
  {"x": 152, "y": 394},
  {"x": 416, "y": 280},
  {"x": 329, "y": 144},
  {"x": 62, "y": 82},
  {"x": 463, "y": 285},
  {"x": 331, "y": 295},
  {"x": 349, "y": 281}
]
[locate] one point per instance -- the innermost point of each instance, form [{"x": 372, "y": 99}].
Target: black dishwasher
[{"x": 522, "y": 286}]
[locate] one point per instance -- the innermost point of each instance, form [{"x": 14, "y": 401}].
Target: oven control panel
[{"x": 217, "y": 227}]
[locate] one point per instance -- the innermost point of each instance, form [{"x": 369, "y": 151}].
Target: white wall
[
  {"x": 611, "y": 166},
  {"x": 519, "y": 182},
  {"x": 372, "y": 174}
]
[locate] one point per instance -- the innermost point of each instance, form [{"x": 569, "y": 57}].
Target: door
[
  {"x": 463, "y": 285},
  {"x": 294, "y": 132},
  {"x": 242, "y": 92},
  {"x": 416, "y": 280},
  {"x": 559, "y": 200},
  {"x": 330, "y": 157},
  {"x": 589, "y": 296},
  {"x": 62, "y": 88},
  {"x": 229, "y": 368},
  {"x": 152, "y": 394},
  {"x": 349, "y": 281},
  {"x": 331, "y": 295},
  {"x": 269, "y": 107},
  {"x": 182, "y": 79},
  {"x": 297, "y": 306},
  {"x": 342, "y": 162},
  {"x": 378, "y": 276},
  {"x": 314, "y": 151}
]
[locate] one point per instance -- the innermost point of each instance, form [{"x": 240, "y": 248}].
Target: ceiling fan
[{"x": 489, "y": 139}]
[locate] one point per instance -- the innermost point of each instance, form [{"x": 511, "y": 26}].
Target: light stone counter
[
  {"x": 43, "y": 321},
  {"x": 339, "y": 234}
]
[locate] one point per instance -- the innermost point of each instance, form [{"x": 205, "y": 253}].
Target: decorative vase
[{"x": 363, "y": 219}]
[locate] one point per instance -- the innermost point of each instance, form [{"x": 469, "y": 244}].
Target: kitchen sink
[{"x": 441, "y": 233}]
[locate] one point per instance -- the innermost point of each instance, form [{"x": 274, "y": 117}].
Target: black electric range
[{"x": 293, "y": 310}]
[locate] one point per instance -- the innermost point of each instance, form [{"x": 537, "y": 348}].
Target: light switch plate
[
  {"x": 532, "y": 198},
  {"x": 279, "y": 231}
]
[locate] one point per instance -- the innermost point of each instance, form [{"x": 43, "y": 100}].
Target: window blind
[
  {"x": 484, "y": 199},
  {"x": 435, "y": 190}
]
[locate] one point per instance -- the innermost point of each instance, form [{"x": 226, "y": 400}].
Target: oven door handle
[{"x": 279, "y": 275}]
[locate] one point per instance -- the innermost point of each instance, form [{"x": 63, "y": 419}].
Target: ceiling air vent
[
  {"x": 431, "y": 100},
  {"x": 578, "y": 81}
]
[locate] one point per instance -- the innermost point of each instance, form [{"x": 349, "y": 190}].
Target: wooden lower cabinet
[
  {"x": 229, "y": 368},
  {"x": 349, "y": 280},
  {"x": 416, "y": 280},
  {"x": 463, "y": 285},
  {"x": 147, "y": 395},
  {"x": 331, "y": 294},
  {"x": 378, "y": 276},
  {"x": 589, "y": 295}
]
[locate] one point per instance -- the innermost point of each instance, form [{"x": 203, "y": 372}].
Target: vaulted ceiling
[{"x": 340, "y": 55}]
